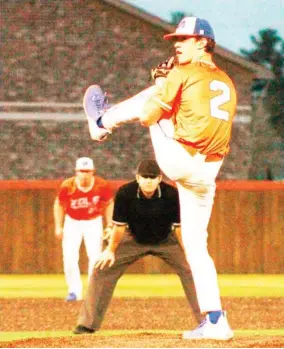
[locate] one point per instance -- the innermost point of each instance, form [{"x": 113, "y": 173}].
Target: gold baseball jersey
[{"x": 201, "y": 100}]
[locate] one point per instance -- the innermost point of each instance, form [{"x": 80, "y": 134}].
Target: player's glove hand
[{"x": 162, "y": 70}]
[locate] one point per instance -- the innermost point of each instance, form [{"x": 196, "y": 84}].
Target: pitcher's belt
[{"x": 192, "y": 151}]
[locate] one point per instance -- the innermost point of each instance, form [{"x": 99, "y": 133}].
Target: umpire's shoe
[{"x": 80, "y": 329}]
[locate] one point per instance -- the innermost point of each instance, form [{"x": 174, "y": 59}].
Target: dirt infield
[{"x": 145, "y": 315}]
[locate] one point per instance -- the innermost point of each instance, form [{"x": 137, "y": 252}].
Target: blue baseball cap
[{"x": 193, "y": 26}]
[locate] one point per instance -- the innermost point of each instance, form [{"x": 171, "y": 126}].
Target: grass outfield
[{"x": 142, "y": 285}]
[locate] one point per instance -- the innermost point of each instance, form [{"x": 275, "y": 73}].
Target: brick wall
[
  {"x": 49, "y": 149},
  {"x": 54, "y": 52}
]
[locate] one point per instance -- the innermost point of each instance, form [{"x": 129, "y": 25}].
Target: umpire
[{"x": 146, "y": 221}]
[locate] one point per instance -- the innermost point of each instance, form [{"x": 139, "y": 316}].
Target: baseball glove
[{"x": 163, "y": 68}]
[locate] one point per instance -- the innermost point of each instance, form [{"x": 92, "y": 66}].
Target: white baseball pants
[
  {"x": 75, "y": 231},
  {"x": 195, "y": 180}
]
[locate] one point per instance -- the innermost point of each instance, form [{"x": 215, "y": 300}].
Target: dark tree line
[{"x": 269, "y": 51}]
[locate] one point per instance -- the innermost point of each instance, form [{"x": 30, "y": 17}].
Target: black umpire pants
[{"x": 102, "y": 282}]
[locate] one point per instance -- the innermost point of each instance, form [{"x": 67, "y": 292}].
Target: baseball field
[{"x": 147, "y": 311}]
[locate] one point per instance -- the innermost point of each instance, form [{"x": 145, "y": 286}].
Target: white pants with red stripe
[
  {"x": 75, "y": 231},
  {"x": 195, "y": 181}
]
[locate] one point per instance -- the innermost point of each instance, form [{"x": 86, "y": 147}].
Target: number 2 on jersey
[{"x": 217, "y": 101}]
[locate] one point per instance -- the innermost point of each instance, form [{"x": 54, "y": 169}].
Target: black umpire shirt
[{"x": 149, "y": 220}]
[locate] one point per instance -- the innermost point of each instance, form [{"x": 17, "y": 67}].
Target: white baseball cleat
[
  {"x": 94, "y": 107},
  {"x": 207, "y": 330}
]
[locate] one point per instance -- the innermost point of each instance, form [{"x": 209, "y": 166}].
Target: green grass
[{"x": 142, "y": 285}]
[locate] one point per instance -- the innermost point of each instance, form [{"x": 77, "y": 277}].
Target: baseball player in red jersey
[
  {"x": 83, "y": 205},
  {"x": 189, "y": 113}
]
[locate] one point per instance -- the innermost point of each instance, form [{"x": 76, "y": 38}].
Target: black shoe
[{"x": 80, "y": 329}]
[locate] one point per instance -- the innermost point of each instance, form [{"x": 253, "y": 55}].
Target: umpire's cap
[
  {"x": 193, "y": 26},
  {"x": 148, "y": 167}
]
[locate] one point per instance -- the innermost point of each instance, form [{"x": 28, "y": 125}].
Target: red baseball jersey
[{"x": 82, "y": 205}]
